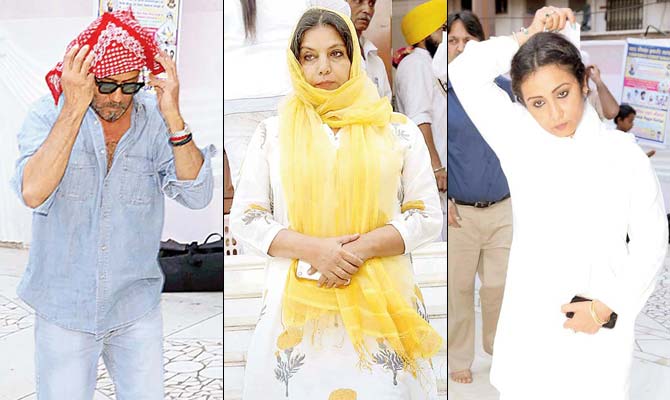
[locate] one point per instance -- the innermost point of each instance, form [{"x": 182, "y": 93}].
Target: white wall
[
  {"x": 42, "y": 30},
  {"x": 23, "y": 9},
  {"x": 657, "y": 15}
]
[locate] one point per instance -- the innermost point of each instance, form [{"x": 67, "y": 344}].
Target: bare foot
[{"x": 464, "y": 376}]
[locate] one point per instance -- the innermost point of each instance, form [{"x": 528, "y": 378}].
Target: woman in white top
[
  {"x": 341, "y": 184},
  {"x": 579, "y": 187}
]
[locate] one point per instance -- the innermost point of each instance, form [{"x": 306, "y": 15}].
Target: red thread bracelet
[{"x": 178, "y": 138}]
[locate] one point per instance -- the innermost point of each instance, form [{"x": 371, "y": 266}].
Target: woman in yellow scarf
[{"x": 337, "y": 190}]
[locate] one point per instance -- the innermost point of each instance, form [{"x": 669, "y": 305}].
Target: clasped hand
[{"x": 337, "y": 260}]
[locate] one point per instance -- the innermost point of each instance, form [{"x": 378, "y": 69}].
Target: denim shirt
[
  {"x": 473, "y": 169},
  {"x": 93, "y": 257}
]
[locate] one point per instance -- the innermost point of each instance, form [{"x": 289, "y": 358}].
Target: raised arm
[
  {"x": 607, "y": 100},
  {"x": 45, "y": 168},
  {"x": 472, "y": 76},
  {"x": 188, "y": 159}
]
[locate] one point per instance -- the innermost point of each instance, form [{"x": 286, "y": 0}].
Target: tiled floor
[
  {"x": 650, "y": 374},
  {"x": 193, "y": 329}
]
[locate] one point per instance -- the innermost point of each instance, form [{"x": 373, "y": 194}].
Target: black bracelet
[{"x": 183, "y": 142}]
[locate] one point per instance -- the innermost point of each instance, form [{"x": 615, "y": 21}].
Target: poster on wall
[
  {"x": 646, "y": 88},
  {"x": 159, "y": 16}
]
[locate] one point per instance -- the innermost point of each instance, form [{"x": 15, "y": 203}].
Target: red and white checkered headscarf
[{"x": 120, "y": 45}]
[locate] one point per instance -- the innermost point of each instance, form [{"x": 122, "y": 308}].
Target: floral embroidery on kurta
[
  {"x": 420, "y": 305},
  {"x": 401, "y": 134},
  {"x": 256, "y": 212},
  {"x": 410, "y": 208},
  {"x": 390, "y": 360},
  {"x": 410, "y": 213},
  {"x": 286, "y": 342},
  {"x": 289, "y": 367}
]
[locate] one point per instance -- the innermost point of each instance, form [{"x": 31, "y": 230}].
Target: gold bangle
[
  {"x": 609, "y": 317},
  {"x": 436, "y": 170},
  {"x": 595, "y": 316}
]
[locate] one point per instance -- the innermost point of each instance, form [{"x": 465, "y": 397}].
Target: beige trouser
[{"x": 481, "y": 245}]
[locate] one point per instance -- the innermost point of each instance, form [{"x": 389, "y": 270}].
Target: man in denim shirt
[
  {"x": 479, "y": 214},
  {"x": 94, "y": 168}
]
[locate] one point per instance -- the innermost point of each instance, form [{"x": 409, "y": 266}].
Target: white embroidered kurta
[
  {"x": 575, "y": 199},
  {"x": 315, "y": 370}
]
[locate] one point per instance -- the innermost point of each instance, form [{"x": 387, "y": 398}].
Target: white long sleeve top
[{"x": 421, "y": 97}]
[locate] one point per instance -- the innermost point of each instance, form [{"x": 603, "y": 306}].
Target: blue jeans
[{"x": 66, "y": 361}]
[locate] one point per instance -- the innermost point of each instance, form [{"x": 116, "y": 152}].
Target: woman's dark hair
[
  {"x": 542, "y": 49},
  {"x": 320, "y": 17},
  {"x": 249, "y": 14},
  {"x": 470, "y": 21},
  {"x": 624, "y": 111}
]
